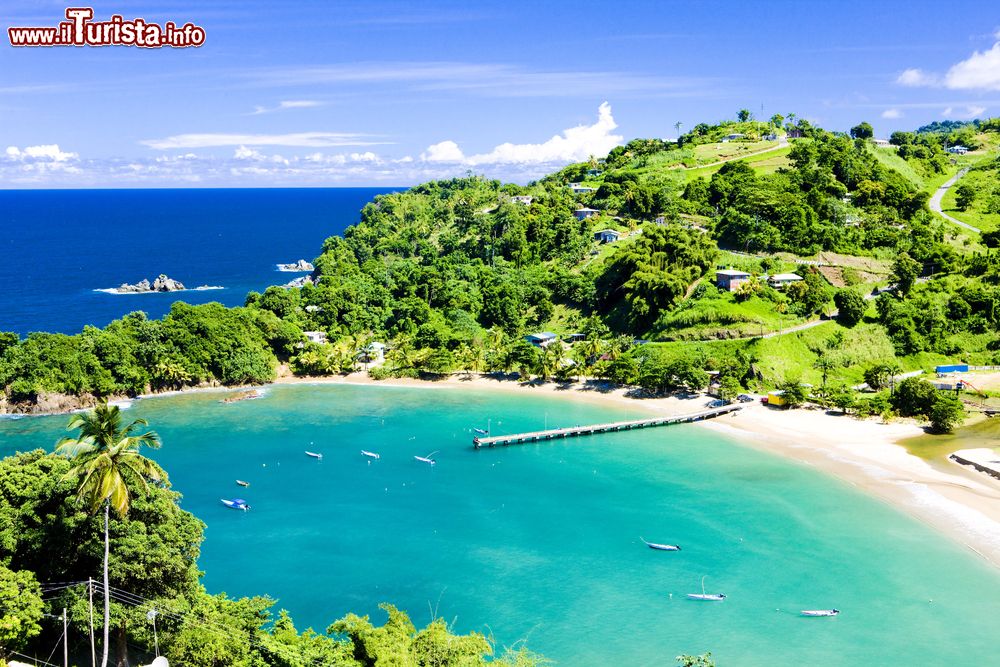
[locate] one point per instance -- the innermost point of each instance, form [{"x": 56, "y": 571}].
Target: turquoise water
[{"x": 541, "y": 542}]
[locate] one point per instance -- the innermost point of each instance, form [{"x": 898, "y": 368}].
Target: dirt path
[{"x": 935, "y": 200}]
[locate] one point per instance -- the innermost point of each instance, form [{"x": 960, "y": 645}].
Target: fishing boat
[
  {"x": 236, "y": 504},
  {"x": 709, "y": 597},
  {"x": 242, "y": 483},
  {"x": 314, "y": 454},
  {"x": 481, "y": 431},
  {"x": 820, "y": 612},
  {"x": 661, "y": 547},
  {"x": 371, "y": 455},
  {"x": 427, "y": 459}
]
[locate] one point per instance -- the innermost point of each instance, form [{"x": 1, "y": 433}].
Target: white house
[
  {"x": 521, "y": 199},
  {"x": 607, "y": 235},
  {"x": 583, "y": 213},
  {"x": 315, "y": 336},
  {"x": 780, "y": 280},
  {"x": 957, "y": 150},
  {"x": 881, "y": 143},
  {"x": 579, "y": 189}
]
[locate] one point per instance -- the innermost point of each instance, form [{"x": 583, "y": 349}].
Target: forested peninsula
[{"x": 618, "y": 257}]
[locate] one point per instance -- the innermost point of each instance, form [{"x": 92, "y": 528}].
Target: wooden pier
[{"x": 574, "y": 431}]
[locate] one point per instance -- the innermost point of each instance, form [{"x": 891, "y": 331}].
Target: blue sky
[{"x": 368, "y": 93}]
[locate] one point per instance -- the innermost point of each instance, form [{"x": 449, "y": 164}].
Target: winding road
[{"x": 935, "y": 200}]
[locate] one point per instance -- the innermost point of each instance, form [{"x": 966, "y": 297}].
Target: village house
[
  {"x": 730, "y": 279},
  {"x": 957, "y": 150},
  {"x": 315, "y": 336},
  {"x": 522, "y": 199},
  {"x": 607, "y": 235},
  {"x": 579, "y": 189},
  {"x": 583, "y": 213},
  {"x": 781, "y": 280},
  {"x": 541, "y": 339},
  {"x": 881, "y": 143}
]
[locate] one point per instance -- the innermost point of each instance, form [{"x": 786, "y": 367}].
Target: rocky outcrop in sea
[
  {"x": 299, "y": 282},
  {"x": 300, "y": 266},
  {"x": 161, "y": 284}
]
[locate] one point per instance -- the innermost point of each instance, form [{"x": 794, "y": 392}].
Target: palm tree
[
  {"x": 677, "y": 126},
  {"x": 824, "y": 366},
  {"x": 106, "y": 462}
]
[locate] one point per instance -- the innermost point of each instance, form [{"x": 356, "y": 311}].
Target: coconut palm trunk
[{"x": 107, "y": 589}]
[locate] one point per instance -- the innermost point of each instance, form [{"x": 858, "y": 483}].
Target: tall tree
[{"x": 106, "y": 463}]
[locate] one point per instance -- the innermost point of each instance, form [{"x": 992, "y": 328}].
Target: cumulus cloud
[
  {"x": 244, "y": 153},
  {"x": 916, "y": 77},
  {"x": 573, "y": 145},
  {"x": 297, "y": 139},
  {"x": 446, "y": 151},
  {"x": 45, "y": 152},
  {"x": 980, "y": 71},
  {"x": 892, "y": 113}
]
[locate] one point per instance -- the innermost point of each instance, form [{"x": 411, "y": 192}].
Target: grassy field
[
  {"x": 719, "y": 315},
  {"x": 767, "y": 162}
]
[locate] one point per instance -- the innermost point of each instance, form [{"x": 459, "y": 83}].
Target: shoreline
[{"x": 954, "y": 501}]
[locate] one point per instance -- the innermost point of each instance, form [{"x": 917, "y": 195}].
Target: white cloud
[
  {"x": 244, "y": 153},
  {"x": 298, "y": 139},
  {"x": 46, "y": 152},
  {"x": 892, "y": 113},
  {"x": 980, "y": 71},
  {"x": 573, "y": 145},
  {"x": 947, "y": 112},
  {"x": 974, "y": 110},
  {"x": 445, "y": 151},
  {"x": 971, "y": 111},
  {"x": 915, "y": 77}
]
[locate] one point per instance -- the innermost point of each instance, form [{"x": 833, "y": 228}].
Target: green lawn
[{"x": 979, "y": 215}]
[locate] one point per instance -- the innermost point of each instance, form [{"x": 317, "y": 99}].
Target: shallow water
[{"x": 541, "y": 542}]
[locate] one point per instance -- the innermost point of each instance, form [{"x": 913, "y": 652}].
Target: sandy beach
[{"x": 956, "y": 501}]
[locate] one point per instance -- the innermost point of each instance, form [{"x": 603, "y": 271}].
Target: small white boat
[
  {"x": 236, "y": 504},
  {"x": 242, "y": 483},
  {"x": 427, "y": 459},
  {"x": 314, "y": 454},
  {"x": 820, "y": 612},
  {"x": 709, "y": 597},
  {"x": 661, "y": 547},
  {"x": 481, "y": 431},
  {"x": 371, "y": 455}
]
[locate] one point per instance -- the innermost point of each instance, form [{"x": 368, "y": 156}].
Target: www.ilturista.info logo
[{"x": 81, "y": 30}]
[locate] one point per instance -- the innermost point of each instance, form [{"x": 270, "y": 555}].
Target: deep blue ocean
[{"x": 58, "y": 246}]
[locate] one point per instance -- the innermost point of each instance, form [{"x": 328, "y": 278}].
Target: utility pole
[
  {"x": 151, "y": 615},
  {"x": 93, "y": 649},
  {"x": 65, "y": 639}
]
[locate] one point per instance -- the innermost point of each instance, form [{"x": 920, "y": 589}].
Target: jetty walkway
[{"x": 574, "y": 431}]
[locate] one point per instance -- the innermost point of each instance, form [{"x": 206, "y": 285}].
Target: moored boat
[
  {"x": 242, "y": 483},
  {"x": 427, "y": 459},
  {"x": 661, "y": 547},
  {"x": 371, "y": 455},
  {"x": 236, "y": 504},
  {"x": 820, "y": 612},
  {"x": 314, "y": 454},
  {"x": 708, "y": 597}
]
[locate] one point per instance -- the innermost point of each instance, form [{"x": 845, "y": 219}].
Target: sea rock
[
  {"x": 296, "y": 267},
  {"x": 299, "y": 282},
  {"x": 161, "y": 284}
]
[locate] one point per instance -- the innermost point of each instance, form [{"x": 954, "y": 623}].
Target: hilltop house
[
  {"x": 522, "y": 199},
  {"x": 957, "y": 150},
  {"x": 607, "y": 235},
  {"x": 732, "y": 137},
  {"x": 780, "y": 280},
  {"x": 579, "y": 189},
  {"x": 593, "y": 173},
  {"x": 541, "y": 339},
  {"x": 881, "y": 143},
  {"x": 730, "y": 279},
  {"x": 583, "y": 213}
]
